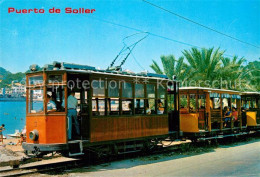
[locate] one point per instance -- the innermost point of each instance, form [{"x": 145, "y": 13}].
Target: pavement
[{"x": 239, "y": 159}]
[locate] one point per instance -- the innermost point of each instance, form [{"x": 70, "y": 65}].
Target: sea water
[{"x": 12, "y": 114}]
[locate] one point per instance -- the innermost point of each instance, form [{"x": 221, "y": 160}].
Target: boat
[{"x": 17, "y": 134}]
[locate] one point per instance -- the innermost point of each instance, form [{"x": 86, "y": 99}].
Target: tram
[
  {"x": 117, "y": 111},
  {"x": 251, "y": 109},
  {"x": 120, "y": 111},
  {"x": 207, "y": 112}
]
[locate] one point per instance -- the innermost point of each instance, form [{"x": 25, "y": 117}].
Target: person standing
[
  {"x": 72, "y": 103},
  {"x": 2, "y": 128}
]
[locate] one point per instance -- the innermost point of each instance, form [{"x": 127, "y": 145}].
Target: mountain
[
  {"x": 7, "y": 77},
  {"x": 3, "y": 73}
]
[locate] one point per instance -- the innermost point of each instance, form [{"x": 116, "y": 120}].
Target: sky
[{"x": 88, "y": 39}]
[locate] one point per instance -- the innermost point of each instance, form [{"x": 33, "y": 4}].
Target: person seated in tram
[
  {"x": 228, "y": 115},
  {"x": 51, "y": 105},
  {"x": 148, "y": 110},
  {"x": 235, "y": 116},
  {"x": 160, "y": 108}
]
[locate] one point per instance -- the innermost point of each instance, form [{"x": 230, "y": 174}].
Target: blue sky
[{"x": 26, "y": 39}]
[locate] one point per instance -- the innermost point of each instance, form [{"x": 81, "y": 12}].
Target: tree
[
  {"x": 236, "y": 74},
  {"x": 171, "y": 67},
  {"x": 254, "y": 75},
  {"x": 204, "y": 64}
]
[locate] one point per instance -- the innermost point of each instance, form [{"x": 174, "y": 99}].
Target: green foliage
[
  {"x": 209, "y": 68},
  {"x": 9, "y": 78},
  {"x": 171, "y": 67},
  {"x": 3, "y": 73}
]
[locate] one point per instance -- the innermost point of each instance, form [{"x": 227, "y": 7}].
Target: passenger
[
  {"x": 2, "y": 128},
  {"x": 227, "y": 117},
  {"x": 72, "y": 113},
  {"x": 235, "y": 116},
  {"x": 148, "y": 111},
  {"x": 51, "y": 105},
  {"x": 21, "y": 140},
  {"x": 160, "y": 108}
]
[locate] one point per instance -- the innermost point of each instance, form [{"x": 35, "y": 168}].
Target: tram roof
[
  {"x": 210, "y": 89},
  {"x": 250, "y": 93},
  {"x": 85, "y": 69}
]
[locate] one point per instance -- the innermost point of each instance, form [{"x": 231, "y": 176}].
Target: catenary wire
[
  {"x": 152, "y": 34},
  {"x": 204, "y": 26}
]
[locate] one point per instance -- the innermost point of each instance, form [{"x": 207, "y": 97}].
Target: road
[{"x": 241, "y": 159}]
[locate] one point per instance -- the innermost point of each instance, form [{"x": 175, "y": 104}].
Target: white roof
[
  {"x": 209, "y": 89},
  {"x": 251, "y": 93}
]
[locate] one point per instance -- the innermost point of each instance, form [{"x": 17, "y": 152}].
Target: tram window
[
  {"x": 35, "y": 102},
  {"x": 56, "y": 100},
  {"x": 183, "y": 101},
  {"x": 150, "y": 109},
  {"x": 171, "y": 102},
  {"x": 234, "y": 103},
  {"x": 113, "y": 106},
  {"x": 98, "y": 107},
  {"x": 113, "y": 89},
  {"x": 253, "y": 103},
  {"x": 54, "y": 79},
  {"x": 192, "y": 103},
  {"x": 98, "y": 88},
  {"x": 161, "y": 92},
  {"x": 161, "y": 106},
  {"x": 225, "y": 103},
  {"x": 150, "y": 90},
  {"x": 127, "y": 108},
  {"x": 127, "y": 90},
  {"x": 36, "y": 80},
  {"x": 216, "y": 103},
  {"x": 201, "y": 101},
  {"x": 86, "y": 97},
  {"x": 139, "y": 106},
  {"x": 139, "y": 91}
]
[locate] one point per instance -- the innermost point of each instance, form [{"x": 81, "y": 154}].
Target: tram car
[
  {"x": 207, "y": 112},
  {"x": 251, "y": 109},
  {"x": 117, "y": 111}
]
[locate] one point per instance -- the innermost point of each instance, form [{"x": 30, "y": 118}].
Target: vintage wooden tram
[
  {"x": 118, "y": 111},
  {"x": 251, "y": 109},
  {"x": 208, "y": 112},
  {"x": 122, "y": 112}
]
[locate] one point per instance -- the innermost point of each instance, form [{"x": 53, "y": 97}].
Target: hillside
[
  {"x": 7, "y": 77},
  {"x": 3, "y": 73}
]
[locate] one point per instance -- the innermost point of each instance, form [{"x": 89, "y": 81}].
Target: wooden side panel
[
  {"x": 56, "y": 129},
  {"x": 251, "y": 118},
  {"x": 189, "y": 122},
  {"x": 52, "y": 128},
  {"x": 115, "y": 128},
  {"x": 36, "y": 123}
]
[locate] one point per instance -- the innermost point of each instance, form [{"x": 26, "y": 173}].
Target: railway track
[
  {"x": 61, "y": 164},
  {"x": 41, "y": 167}
]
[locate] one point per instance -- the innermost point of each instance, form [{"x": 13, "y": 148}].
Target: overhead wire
[
  {"x": 152, "y": 34},
  {"x": 204, "y": 26}
]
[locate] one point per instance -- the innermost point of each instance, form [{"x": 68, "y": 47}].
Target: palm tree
[
  {"x": 204, "y": 64},
  {"x": 171, "y": 67},
  {"x": 253, "y": 69}
]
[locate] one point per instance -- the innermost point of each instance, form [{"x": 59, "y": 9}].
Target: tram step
[
  {"x": 75, "y": 148},
  {"x": 76, "y": 154}
]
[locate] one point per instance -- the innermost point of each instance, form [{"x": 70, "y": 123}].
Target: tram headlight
[{"x": 34, "y": 135}]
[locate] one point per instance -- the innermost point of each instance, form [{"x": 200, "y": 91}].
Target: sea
[{"x": 12, "y": 114}]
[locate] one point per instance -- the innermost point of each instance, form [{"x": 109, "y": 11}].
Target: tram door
[
  {"x": 173, "y": 107},
  {"x": 83, "y": 116},
  {"x": 81, "y": 94}
]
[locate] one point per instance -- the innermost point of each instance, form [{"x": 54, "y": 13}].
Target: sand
[{"x": 10, "y": 152}]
